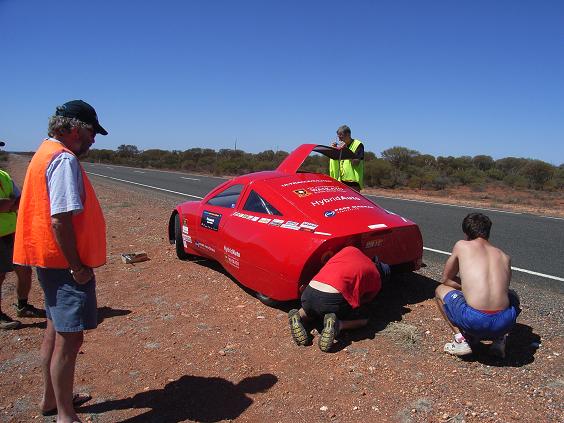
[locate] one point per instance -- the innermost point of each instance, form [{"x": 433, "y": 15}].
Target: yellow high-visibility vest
[
  {"x": 344, "y": 170},
  {"x": 7, "y": 219}
]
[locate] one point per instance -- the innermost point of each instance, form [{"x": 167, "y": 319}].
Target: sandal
[{"x": 77, "y": 400}]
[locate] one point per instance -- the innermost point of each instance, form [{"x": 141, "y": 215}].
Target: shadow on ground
[
  {"x": 522, "y": 344},
  {"x": 108, "y": 312},
  {"x": 202, "y": 399},
  {"x": 390, "y": 305}
]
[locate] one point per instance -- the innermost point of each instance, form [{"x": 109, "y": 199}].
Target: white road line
[
  {"x": 461, "y": 206},
  {"x": 143, "y": 185},
  {"x": 517, "y": 269},
  {"x": 158, "y": 170},
  {"x": 138, "y": 171},
  {"x": 192, "y": 179}
]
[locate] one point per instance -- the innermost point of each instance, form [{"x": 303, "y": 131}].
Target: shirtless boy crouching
[
  {"x": 474, "y": 295},
  {"x": 347, "y": 281}
]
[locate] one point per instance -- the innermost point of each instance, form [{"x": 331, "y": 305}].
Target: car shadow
[
  {"x": 390, "y": 305},
  {"x": 194, "y": 398},
  {"x": 522, "y": 344},
  {"x": 106, "y": 312}
]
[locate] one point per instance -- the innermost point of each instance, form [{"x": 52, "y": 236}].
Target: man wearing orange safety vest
[
  {"x": 61, "y": 231},
  {"x": 349, "y": 171}
]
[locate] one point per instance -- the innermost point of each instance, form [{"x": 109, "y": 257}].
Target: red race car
[{"x": 274, "y": 230}]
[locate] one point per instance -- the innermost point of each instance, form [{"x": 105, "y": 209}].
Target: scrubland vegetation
[{"x": 398, "y": 167}]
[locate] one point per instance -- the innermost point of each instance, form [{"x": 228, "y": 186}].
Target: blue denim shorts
[
  {"x": 477, "y": 323},
  {"x": 70, "y": 306}
]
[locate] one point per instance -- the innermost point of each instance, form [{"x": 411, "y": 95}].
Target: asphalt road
[{"x": 535, "y": 243}]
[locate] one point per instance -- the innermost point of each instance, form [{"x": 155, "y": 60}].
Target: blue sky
[{"x": 440, "y": 77}]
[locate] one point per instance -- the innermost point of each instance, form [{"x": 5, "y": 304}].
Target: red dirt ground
[{"x": 180, "y": 341}]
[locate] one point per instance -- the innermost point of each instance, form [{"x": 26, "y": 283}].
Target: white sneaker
[
  {"x": 458, "y": 348},
  {"x": 497, "y": 348}
]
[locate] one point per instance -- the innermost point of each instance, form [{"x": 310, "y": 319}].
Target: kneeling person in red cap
[{"x": 348, "y": 280}]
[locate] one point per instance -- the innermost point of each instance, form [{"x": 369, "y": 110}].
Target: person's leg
[
  {"x": 63, "y": 362},
  {"x": 460, "y": 346},
  {"x": 48, "y": 402},
  {"x": 6, "y": 322},
  {"x": 296, "y": 318},
  {"x": 297, "y": 329},
  {"x": 440, "y": 293},
  {"x": 23, "y": 286},
  {"x": 2, "y": 277}
]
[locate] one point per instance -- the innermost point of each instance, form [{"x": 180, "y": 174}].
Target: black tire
[
  {"x": 267, "y": 300},
  {"x": 178, "y": 245}
]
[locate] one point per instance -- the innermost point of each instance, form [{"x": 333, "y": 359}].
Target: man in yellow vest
[
  {"x": 61, "y": 231},
  {"x": 348, "y": 171},
  {"x": 9, "y": 202}
]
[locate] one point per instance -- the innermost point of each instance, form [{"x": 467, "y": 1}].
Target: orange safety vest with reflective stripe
[{"x": 35, "y": 243}]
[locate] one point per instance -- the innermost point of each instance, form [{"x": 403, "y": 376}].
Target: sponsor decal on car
[
  {"x": 302, "y": 192},
  {"x": 377, "y": 226},
  {"x": 232, "y": 261},
  {"x": 186, "y": 239},
  {"x": 264, "y": 220},
  {"x": 276, "y": 222},
  {"x": 184, "y": 226},
  {"x": 329, "y": 213},
  {"x": 374, "y": 243},
  {"x": 210, "y": 220},
  {"x": 326, "y": 188},
  {"x": 309, "y": 181},
  {"x": 231, "y": 251},
  {"x": 308, "y": 226},
  {"x": 336, "y": 198},
  {"x": 352, "y": 208},
  {"x": 204, "y": 246},
  {"x": 295, "y": 226},
  {"x": 255, "y": 218}
]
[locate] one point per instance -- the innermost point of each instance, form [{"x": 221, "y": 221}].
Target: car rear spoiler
[{"x": 292, "y": 163}]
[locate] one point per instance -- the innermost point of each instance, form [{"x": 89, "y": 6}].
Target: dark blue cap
[{"x": 82, "y": 111}]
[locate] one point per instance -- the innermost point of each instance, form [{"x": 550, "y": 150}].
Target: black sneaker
[
  {"x": 385, "y": 271},
  {"x": 7, "y": 323},
  {"x": 329, "y": 332},
  {"x": 299, "y": 334},
  {"x": 29, "y": 311}
]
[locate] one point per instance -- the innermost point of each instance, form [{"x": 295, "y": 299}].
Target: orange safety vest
[{"x": 35, "y": 243}]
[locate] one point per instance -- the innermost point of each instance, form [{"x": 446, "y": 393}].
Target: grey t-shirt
[{"x": 65, "y": 185}]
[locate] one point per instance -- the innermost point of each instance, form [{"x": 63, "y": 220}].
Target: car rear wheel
[
  {"x": 266, "y": 300},
  {"x": 178, "y": 244}
]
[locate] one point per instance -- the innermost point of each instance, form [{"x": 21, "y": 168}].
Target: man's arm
[
  {"x": 13, "y": 203},
  {"x": 450, "y": 272},
  {"x": 62, "y": 227},
  {"x": 358, "y": 155},
  {"x": 8, "y": 205}
]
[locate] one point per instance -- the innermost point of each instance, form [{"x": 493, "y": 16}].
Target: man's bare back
[{"x": 484, "y": 272}]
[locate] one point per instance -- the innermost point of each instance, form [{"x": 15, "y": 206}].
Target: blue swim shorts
[
  {"x": 477, "y": 323},
  {"x": 70, "y": 306}
]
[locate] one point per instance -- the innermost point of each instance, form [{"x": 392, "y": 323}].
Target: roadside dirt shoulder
[{"x": 180, "y": 341}]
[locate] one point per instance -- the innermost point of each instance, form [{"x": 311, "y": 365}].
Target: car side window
[
  {"x": 226, "y": 198},
  {"x": 255, "y": 203}
]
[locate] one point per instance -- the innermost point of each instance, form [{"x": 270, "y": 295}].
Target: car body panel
[{"x": 282, "y": 226}]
